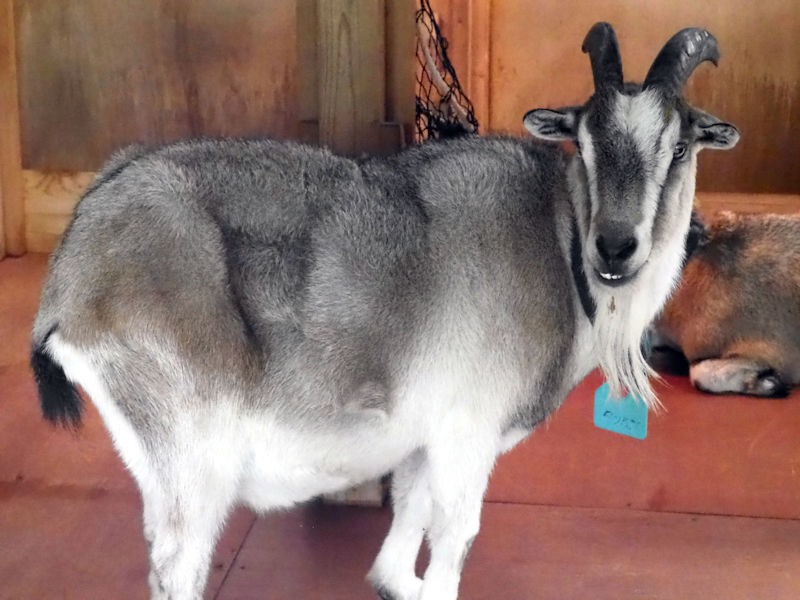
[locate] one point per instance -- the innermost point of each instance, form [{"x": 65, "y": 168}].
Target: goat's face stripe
[
  {"x": 586, "y": 141},
  {"x": 627, "y": 143},
  {"x": 640, "y": 116}
]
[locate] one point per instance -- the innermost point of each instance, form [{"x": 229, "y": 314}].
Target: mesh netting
[{"x": 443, "y": 109}]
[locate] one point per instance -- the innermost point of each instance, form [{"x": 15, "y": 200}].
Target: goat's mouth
[{"x": 612, "y": 279}]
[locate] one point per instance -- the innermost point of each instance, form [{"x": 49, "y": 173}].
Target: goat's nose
[{"x": 615, "y": 249}]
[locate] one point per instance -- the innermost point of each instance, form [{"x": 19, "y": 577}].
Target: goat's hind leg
[
  {"x": 187, "y": 498},
  {"x": 184, "y": 512},
  {"x": 392, "y": 574},
  {"x": 187, "y": 480}
]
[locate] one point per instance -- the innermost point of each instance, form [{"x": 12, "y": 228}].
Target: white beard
[{"x": 624, "y": 314}]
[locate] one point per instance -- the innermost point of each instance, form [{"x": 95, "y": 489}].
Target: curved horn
[
  {"x": 601, "y": 45},
  {"x": 679, "y": 58}
]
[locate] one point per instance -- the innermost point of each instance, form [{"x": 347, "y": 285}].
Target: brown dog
[{"x": 736, "y": 313}]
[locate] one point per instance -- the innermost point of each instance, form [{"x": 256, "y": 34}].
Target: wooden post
[
  {"x": 12, "y": 216},
  {"x": 352, "y": 74},
  {"x": 308, "y": 72},
  {"x": 478, "y": 61},
  {"x": 400, "y": 64},
  {"x": 2, "y": 233}
]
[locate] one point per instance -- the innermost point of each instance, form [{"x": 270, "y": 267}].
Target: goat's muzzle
[{"x": 615, "y": 248}]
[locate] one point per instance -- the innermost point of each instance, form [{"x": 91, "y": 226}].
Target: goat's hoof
[
  {"x": 385, "y": 594},
  {"x": 407, "y": 592}
]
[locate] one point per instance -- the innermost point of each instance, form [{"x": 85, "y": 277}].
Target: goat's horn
[
  {"x": 601, "y": 45},
  {"x": 679, "y": 58}
]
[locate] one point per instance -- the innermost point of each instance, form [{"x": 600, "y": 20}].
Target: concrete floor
[{"x": 707, "y": 507}]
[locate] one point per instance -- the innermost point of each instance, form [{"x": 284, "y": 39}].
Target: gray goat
[
  {"x": 736, "y": 313},
  {"x": 261, "y": 322}
]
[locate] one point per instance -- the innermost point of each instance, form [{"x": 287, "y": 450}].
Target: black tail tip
[{"x": 60, "y": 400}]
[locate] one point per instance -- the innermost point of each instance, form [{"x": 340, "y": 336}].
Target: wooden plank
[
  {"x": 2, "y": 233},
  {"x": 400, "y": 64},
  {"x": 49, "y": 202},
  {"x": 41, "y": 242},
  {"x": 351, "y": 62},
  {"x": 708, "y": 203},
  {"x": 536, "y": 61},
  {"x": 744, "y": 464},
  {"x": 12, "y": 218},
  {"x": 95, "y": 75},
  {"x": 478, "y": 61},
  {"x": 308, "y": 72},
  {"x": 54, "y": 192},
  {"x": 522, "y": 551},
  {"x": 50, "y": 224}
]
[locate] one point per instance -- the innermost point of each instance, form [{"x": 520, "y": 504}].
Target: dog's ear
[{"x": 697, "y": 236}]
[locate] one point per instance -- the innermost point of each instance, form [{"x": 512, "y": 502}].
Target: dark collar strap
[{"x": 579, "y": 276}]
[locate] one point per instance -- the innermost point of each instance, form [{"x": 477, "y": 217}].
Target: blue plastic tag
[{"x": 627, "y": 416}]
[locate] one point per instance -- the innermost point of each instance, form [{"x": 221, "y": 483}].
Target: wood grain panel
[
  {"x": 307, "y": 72},
  {"x": 50, "y": 198},
  {"x": 479, "y": 79},
  {"x": 400, "y": 64},
  {"x": 709, "y": 203},
  {"x": 536, "y": 61},
  {"x": 351, "y": 58},
  {"x": 12, "y": 214},
  {"x": 361, "y": 106},
  {"x": 6, "y": 35},
  {"x": 2, "y": 233},
  {"x": 97, "y": 74}
]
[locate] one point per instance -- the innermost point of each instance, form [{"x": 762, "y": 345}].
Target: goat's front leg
[
  {"x": 459, "y": 468},
  {"x": 392, "y": 574}
]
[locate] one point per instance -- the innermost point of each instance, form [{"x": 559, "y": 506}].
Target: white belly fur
[
  {"x": 275, "y": 465},
  {"x": 286, "y": 467}
]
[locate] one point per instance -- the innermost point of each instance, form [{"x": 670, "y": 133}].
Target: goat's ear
[
  {"x": 557, "y": 125},
  {"x": 713, "y": 133}
]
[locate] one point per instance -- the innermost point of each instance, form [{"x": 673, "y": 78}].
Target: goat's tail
[{"x": 60, "y": 400}]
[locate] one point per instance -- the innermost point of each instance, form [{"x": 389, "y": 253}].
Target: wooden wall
[
  {"x": 534, "y": 60},
  {"x": 96, "y": 75},
  {"x": 12, "y": 216}
]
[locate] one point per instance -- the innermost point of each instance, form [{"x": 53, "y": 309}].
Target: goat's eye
[{"x": 679, "y": 151}]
